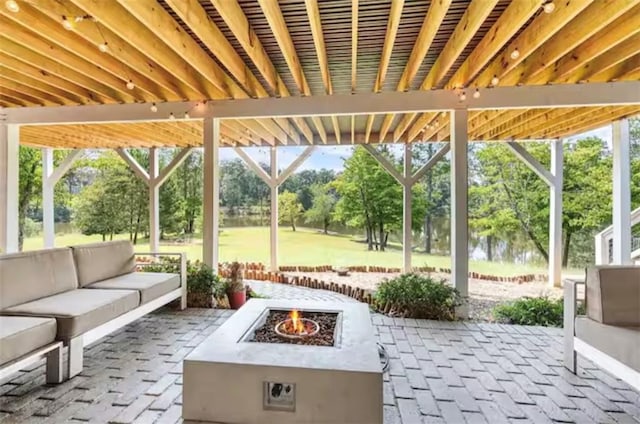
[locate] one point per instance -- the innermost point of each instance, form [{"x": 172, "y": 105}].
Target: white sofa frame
[
  {"x": 574, "y": 345},
  {"x": 51, "y": 353},
  {"x": 76, "y": 345}
]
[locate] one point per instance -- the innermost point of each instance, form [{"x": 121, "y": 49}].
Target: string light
[
  {"x": 66, "y": 23},
  {"x": 549, "y": 7},
  {"x": 495, "y": 80},
  {"x": 515, "y": 54},
  {"x": 476, "y": 94},
  {"x": 171, "y": 116},
  {"x": 103, "y": 47},
  {"x": 463, "y": 96},
  {"x": 186, "y": 115},
  {"x": 154, "y": 108},
  {"x": 131, "y": 85},
  {"x": 12, "y": 6}
]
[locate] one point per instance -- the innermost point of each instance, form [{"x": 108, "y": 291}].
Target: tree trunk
[
  {"x": 111, "y": 236},
  {"x": 382, "y": 238},
  {"x": 375, "y": 238},
  {"x": 489, "y": 248},
  {"x": 369, "y": 237},
  {"x": 293, "y": 224},
  {"x": 565, "y": 250},
  {"x": 104, "y": 237},
  {"x": 326, "y": 226},
  {"x": 427, "y": 217}
]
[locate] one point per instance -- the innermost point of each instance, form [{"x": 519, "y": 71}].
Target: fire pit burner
[{"x": 296, "y": 327}]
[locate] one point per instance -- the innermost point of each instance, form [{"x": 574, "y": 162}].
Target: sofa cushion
[
  {"x": 32, "y": 275},
  {"x": 79, "y": 311},
  {"x": 621, "y": 343},
  {"x": 151, "y": 285},
  {"x": 613, "y": 294},
  {"x": 100, "y": 261},
  {"x": 21, "y": 335}
]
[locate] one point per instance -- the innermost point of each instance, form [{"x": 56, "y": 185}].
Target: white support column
[
  {"x": 9, "y": 164},
  {"x": 211, "y": 187},
  {"x": 274, "y": 210},
  {"x": 407, "y": 239},
  {"x": 154, "y": 201},
  {"x": 621, "y": 193},
  {"x": 48, "y": 205},
  {"x": 459, "y": 212},
  {"x": 555, "y": 214}
]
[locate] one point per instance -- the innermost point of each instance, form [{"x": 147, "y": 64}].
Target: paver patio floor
[{"x": 440, "y": 373}]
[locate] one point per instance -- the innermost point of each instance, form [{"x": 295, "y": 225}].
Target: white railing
[{"x": 604, "y": 242}]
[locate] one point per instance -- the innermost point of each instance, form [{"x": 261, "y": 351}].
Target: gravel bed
[{"x": 483, "y": 295}]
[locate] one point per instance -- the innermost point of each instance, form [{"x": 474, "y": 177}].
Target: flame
[{"x": 298, "y": 326}]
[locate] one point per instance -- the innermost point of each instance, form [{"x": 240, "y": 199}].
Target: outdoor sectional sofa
[
  {"x": 609, "y": 333},
  {"x": 71, "y": 297}
]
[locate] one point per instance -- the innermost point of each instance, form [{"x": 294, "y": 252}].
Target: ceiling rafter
[
  {"x": 46, "y": 98},
  {"x": 395, "y": 13},
  {"x": 354, "y": 45}
]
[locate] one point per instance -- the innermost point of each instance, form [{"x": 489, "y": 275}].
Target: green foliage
[
  {"x": 542, "y": 311},
  {"x": 322, "y": 207},
  {"x": 201, "y": 278},
  {"x": 419, "y": 296},
  {"x": 289, "y": 208}
]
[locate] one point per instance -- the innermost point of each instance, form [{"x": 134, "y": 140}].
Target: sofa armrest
[{"x": 569, "y": 317}]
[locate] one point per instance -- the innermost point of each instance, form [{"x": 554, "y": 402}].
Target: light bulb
[
  {"x": 154, "y": 108},
  {"x": 172, "y": 116},
  {"x": 103, "y": 47},
  {"x": 476, "y": 94},
  {"x": 131, "y": 85},
  {"x": 495, "y": 80},
  {"x": 12, "y": 6},
  {"x": 515, "y": 54},
  {"x": 66, "y": 23},
  {"x": 186, "y": 115},
  {"x": 549, "y": 7},
  {"x": 463, "y": 96}
]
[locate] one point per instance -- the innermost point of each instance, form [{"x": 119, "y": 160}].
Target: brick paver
[{"x": 440, "y": 372}]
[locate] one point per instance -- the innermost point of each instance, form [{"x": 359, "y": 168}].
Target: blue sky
[{"x": 332, "y": 157}]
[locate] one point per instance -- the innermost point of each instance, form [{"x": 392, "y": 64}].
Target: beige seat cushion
[
  {"x": 151, "y": 285},
  {"x": 100, "y": 261},
  {"x": 32, "y": 275},
  {"x": 21, "y": 335},
  {"x": 621, "y": 343},
  {"x": 613, "y": 294},
  {"x": 81, "y": 310}
]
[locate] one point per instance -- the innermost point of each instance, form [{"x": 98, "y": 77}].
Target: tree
[
  {"x": 189, "y": 178},
  {"x": 322, "y": 206},
  {"x": 30, "y": 185},
  {"x": 289, "y": 208}
]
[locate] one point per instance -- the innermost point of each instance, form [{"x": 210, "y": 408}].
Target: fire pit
[{"x": 287, "y": 362}]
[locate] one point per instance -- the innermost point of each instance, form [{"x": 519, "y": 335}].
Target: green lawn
[{"x": 302, "y": 247}]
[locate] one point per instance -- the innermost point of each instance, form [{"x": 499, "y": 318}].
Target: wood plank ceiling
[{"x": 125, "y": 51}]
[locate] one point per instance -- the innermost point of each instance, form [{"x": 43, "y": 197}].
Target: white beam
[
  {"x": 407, "y": 239},
  {"x": 295, "y": 164},
  {"x": 211, "y": 188},
  {"x": 430, "y": 163},
  {"x": 621, "y": 193},
  {"x": 48, "y": 203},
  {"x": 134, "y": 165},
  {"x": 173, "y": 165},
  {"x": 274, "y": 209},
  {"x": 154, "y": 201},
  {"x": 9, "y": 164},
  {"x": 561, "y": 95},
  {"x": 459, "y": 204},
  {"x": 555, "y": 215},
  {"x": 65, "y": 165},
  {"x": 253, "y": 165},
  {"x": 385, "y": 163},
  {"x": 531, "y": 162}
]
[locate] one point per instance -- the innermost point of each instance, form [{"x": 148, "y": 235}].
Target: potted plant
[
  {"x": 235, "y": 288},
  {"x": 203, "y": 286}
]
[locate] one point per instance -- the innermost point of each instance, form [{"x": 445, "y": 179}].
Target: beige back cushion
[
  {"x": 33, "y": 275},
  {"x": 100, "y": 261},
  {"x": 613, "y": 294}
]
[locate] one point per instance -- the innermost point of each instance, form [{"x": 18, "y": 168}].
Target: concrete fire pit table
[{"x": 231, "y": 378}]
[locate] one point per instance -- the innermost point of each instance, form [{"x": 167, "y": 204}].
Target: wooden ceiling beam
[
  {"x": 536, "y": 119},
  {"x": 26, "y": 99},
  {"x": 336, "y": 128},
  {"x": 8, "y": 101},
  {"x": 120, "y": 21},
  {"x": 98, "y": 91},
  {"x": 46, "y": 99},
  {"x": 313, "y": 13},
  {"x": 430, "y": 25},
  {"x": 66, "y": 97},
  {"x": 617, "y": 114},
  {"x": 354, "y": 45},
  {"x": 543, "y": 27},
  {"x": 488, "y": 130},
  {"x": 588, "y": 22},
  {"x": 395, "y": 13},
  {"x": 317, "y": 122},
  {"x": 629, "y": 70},
  {"x": 37, "y": 21},
  {"x": 368, "y": 126},
  {"x": 510, "y": 21},
  {"x": 560, "y": 119}
]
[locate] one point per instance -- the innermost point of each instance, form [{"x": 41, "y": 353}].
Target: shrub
[
  {"x": 200, "y": 277},
  {"x": 418, "y": 296},
  {"x": 542, "y": 311}
]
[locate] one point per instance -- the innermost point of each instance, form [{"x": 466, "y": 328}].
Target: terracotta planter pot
[{"x": 237, "y": 299}]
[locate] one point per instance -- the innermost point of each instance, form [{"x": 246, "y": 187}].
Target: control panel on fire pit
[{"x": 279, "y": 396}]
